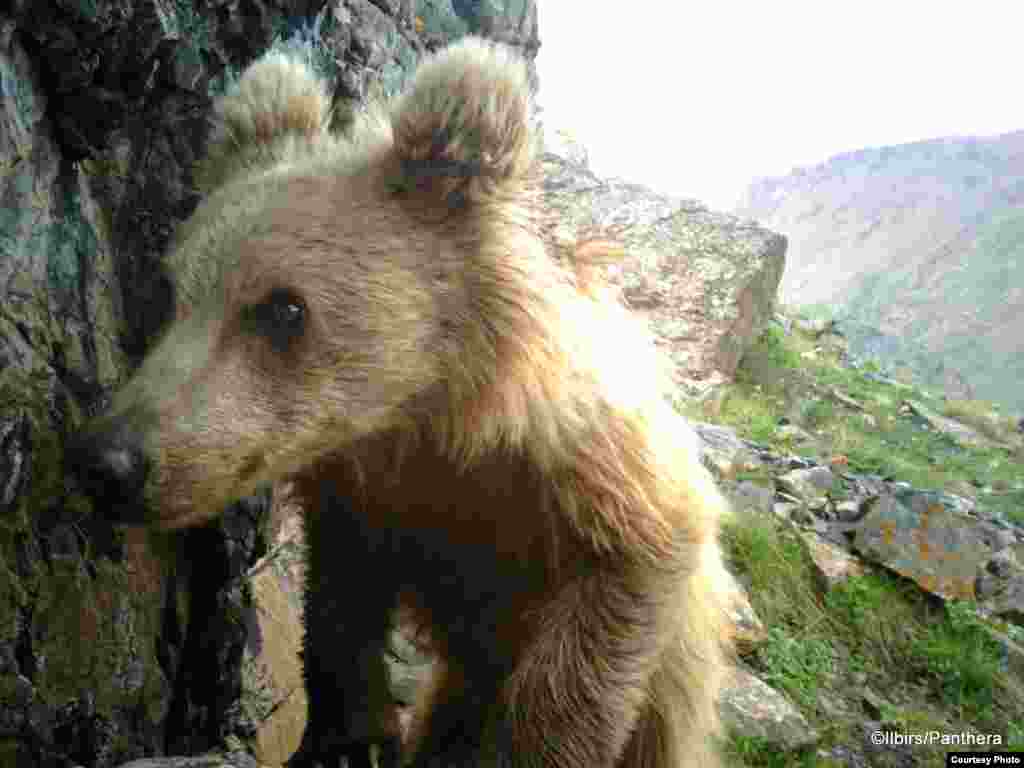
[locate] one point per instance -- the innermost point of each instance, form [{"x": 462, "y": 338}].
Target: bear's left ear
[{"x": 464, "y": 130}]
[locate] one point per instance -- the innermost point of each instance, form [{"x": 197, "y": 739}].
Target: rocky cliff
[
  {"x": 920, "y": 248},
  {"x": 705, "y": 281},
  {"x": 106, "y": 652}
]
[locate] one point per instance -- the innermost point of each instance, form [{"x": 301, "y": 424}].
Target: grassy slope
[
  {"x": 877, "y": 636},
  {"x": 960, "y": 316}
]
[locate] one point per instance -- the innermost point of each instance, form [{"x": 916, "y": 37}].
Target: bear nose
[{"x": 110, "y": 466}]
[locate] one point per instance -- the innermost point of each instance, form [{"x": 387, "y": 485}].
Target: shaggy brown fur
[{"x": 470, "y": 424}]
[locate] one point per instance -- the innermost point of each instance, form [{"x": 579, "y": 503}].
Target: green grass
[
  {"x": 935, "y": 667},
  {"x": 982, "y": 415},
  {"x": 753, "y": 751},
  {"x": 795, "y": 378},
  {"x": 795, "y": 664},
  {"x": 778, "y": 568},
  {"x": 963, "y": 659}
]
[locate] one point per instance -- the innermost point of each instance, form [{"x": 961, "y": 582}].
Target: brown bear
[{"x": 474, "y": 429}]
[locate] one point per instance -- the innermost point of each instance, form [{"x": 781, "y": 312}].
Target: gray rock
[
  {"x": 753, "y": 708},
  {"x": 924, "y": 536},
  {"x": 705, "y": 281}
]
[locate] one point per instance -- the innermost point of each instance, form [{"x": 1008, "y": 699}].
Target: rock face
[
  {"x": 705, "y": 281},
  {"x": 919, "y": 245},
  {"x": 107, "y": 653}
]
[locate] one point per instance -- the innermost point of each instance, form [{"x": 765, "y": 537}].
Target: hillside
[
  {"x": 820, "y": 457},
  {"x": 920, "y": 249}
]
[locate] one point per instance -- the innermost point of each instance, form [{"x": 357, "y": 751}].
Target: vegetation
[
  {"x": 875, "y": 638},
  {"x": 797, "y": 379},
  {"x": 981, "y": 295},
  {"x": 934, "y": 667}
]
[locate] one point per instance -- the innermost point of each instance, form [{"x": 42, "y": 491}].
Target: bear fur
[{"x": 475, "y": 429}]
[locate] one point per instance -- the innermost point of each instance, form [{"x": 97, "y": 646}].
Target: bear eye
[{"x": 280, "y": 318}]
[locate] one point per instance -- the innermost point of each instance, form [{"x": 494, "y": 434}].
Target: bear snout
[{"x": 111, "y": 467}]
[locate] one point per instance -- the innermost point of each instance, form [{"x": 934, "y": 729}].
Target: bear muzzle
[{"x": 111, "y": 467}]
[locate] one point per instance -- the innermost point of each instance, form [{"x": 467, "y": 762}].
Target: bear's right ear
[
  {"x": 275, "y": 111},
  {"x": 464, "y": 131}
]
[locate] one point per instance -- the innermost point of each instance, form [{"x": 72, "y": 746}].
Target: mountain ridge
[{"x": 919, "y": 249}]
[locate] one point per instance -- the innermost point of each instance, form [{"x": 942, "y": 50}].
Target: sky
[{"x": 698, "y": 99}]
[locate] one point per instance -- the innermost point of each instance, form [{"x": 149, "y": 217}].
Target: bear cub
[{"x": 473, "y": 430}]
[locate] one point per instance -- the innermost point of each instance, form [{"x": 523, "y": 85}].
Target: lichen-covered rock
[
  {"x": 106, "y": 653},
  {"x": 706, "y": 281},
  {"x": 924, "y": 536}
]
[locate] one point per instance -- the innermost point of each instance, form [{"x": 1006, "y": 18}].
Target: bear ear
[
  {"x": 464, "y": 130},
  {"x": 275, "y": 111}
]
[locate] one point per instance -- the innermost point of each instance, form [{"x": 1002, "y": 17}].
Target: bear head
[{"x": 328, "y": 288}]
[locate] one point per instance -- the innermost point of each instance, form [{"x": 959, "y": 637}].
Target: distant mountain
[{"x": 920, "y": 249}]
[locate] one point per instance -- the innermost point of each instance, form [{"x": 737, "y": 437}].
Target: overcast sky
[{"x": 697, "y": 99}]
